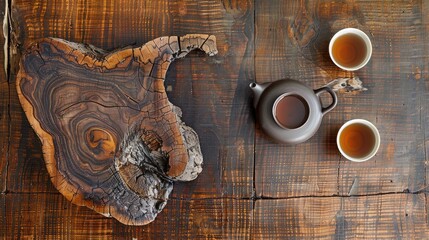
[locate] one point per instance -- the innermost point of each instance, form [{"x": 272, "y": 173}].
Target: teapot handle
[{"x": 333, "y": 95}]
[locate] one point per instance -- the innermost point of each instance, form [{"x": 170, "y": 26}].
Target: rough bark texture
[
  {"x": 111, "y": 139},
  {"x": 347, "y": 85}
]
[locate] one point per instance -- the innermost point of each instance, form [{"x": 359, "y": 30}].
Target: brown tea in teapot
[{"x": 291, "y": 111}]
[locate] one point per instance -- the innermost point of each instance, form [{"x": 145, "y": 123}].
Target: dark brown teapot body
[{"x": 289, "y": 111}]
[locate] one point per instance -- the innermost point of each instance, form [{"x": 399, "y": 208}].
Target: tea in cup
[
  {"x": 350, "y": 49},
  {"x": 358, "y": 140}
]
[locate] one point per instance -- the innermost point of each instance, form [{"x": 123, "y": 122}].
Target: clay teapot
[{"x": 289, "y": 111}]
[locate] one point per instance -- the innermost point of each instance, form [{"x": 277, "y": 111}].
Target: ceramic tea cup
[
  {"x": 358, "y": 140},
  {"x": 350, "y": 49}
]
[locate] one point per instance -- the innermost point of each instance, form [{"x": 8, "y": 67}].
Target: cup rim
[
  {"x": 376, "y": 134},
  {"x": 361, "y": 34}
]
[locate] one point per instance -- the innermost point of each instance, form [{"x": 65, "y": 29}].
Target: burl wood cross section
[
  {"x": 249, "y": 186},
  {"x": 111, "y": 139}
]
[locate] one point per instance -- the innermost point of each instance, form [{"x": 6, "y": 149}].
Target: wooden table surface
[{"x": 250, "y": 187}]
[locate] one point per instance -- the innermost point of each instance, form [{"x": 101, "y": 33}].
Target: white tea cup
[
  {"x": 350, "y": 49},
  {"x": 358, "y": 140}
]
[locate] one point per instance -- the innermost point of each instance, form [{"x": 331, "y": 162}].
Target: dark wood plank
[
  {"x": 209, "y": 91},
  {"x": 212, "y": 94},
  {"x": 286, "y": 33},
  {"x": 424, "y": 79},
  {"x": 315, "y": 168},
  {"x": 51, "y": 216},
  {"x": 290, "y": 41},
  {"x": 24, "y": 154},
  {"x": 392, "y": 216},
  {"x": 4, "y": 110},
  {"x": 393, "y": 102}
]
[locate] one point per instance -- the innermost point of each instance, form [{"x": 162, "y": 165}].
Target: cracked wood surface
[{"x": 250, "y": 188}]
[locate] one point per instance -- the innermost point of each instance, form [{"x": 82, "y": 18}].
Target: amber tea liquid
[
  {"x": 349, "y": 50},
  {"x": 357, "y": 140},
  {"x": 291, "y": 111}
]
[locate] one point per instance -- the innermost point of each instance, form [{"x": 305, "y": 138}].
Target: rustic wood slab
[
  {"x": 221, "y": 136},
  {"x": 250, "y": 188},
  {"x": 111, "y": 139}
]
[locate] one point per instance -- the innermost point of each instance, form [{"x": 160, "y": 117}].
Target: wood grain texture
[
  {"x": 285, "y": 35},
  {"x": 397, "y": 216},
  {"x": 4, "y": 112},
  {"x": 423, "y": 76},
  {"x": 315, "y": 168},
  {"x": 181, "y": 219},
  {"x": 396, "y": 110},
  {"x": 306, "y": 191},
  {"x": 219, "y": 99}
]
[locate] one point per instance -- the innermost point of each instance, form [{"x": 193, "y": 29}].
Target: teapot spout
[{"x": 257, "y": 89}]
